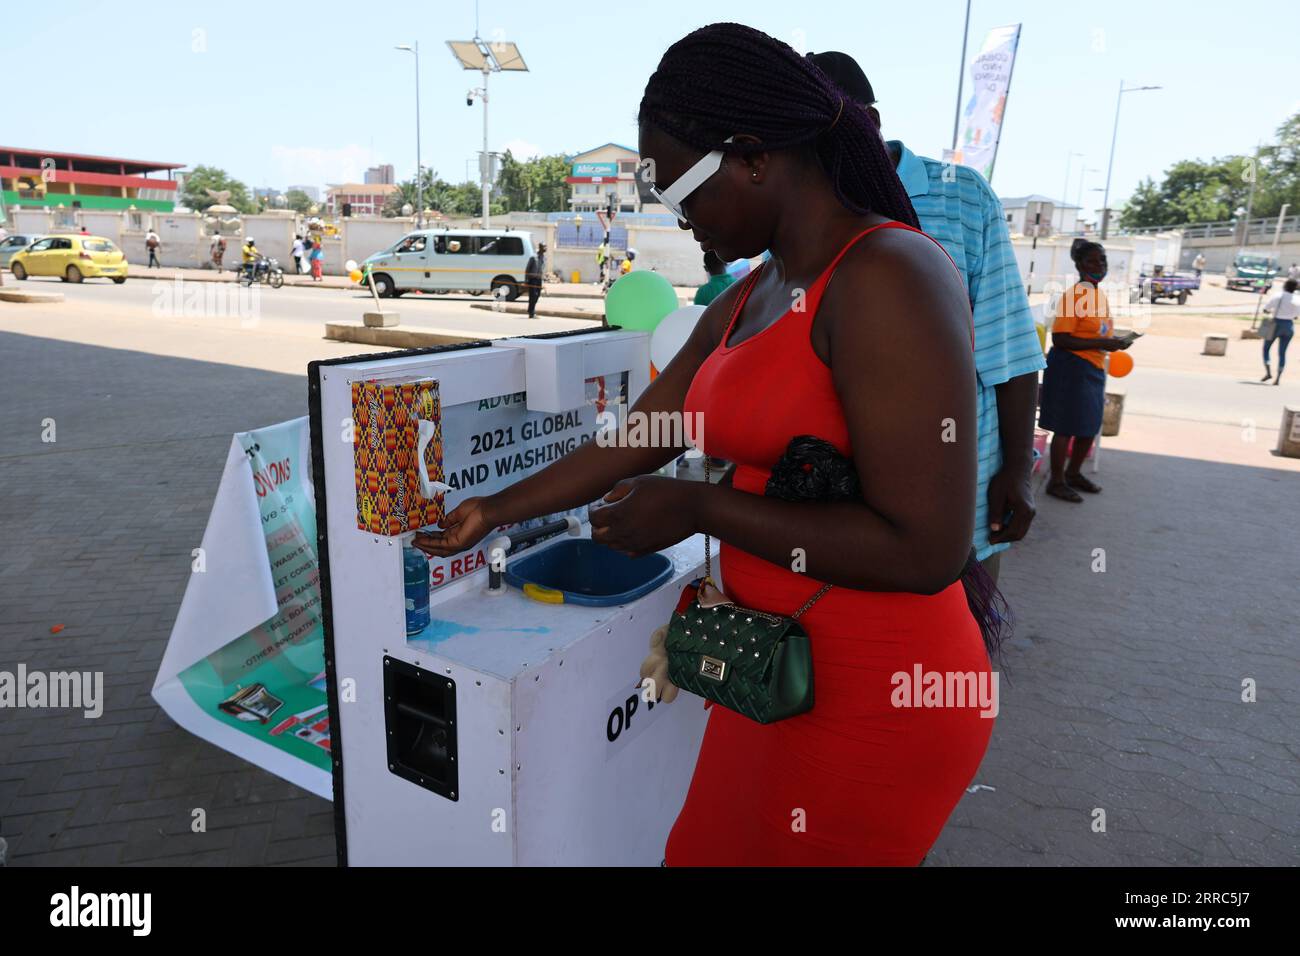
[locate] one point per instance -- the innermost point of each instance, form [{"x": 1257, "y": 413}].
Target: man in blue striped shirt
[{"x": 958, "y": 207}]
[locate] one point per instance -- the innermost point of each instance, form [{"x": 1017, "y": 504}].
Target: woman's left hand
[{"x": 646, "y": 514}]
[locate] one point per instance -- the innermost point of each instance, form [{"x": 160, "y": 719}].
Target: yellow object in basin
[{"x": 545, "y": 595}]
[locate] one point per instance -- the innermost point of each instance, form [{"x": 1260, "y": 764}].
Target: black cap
[{"x": 846, "y": 74}]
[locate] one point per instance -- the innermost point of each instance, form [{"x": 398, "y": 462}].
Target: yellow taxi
[{"x": 71, "y": 258}]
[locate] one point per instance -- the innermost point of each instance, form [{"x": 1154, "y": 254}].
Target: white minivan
[{"x": 450, "y": 260}]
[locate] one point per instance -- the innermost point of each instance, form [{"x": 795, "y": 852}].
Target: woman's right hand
[{"x": 466, "y": 525}]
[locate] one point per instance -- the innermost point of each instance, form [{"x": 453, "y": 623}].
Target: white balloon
[
  {"x": 350, "y": 265},
  {"x": 671, "y": 334}
]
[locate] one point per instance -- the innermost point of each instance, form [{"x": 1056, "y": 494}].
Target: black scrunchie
[{"x": 812, "y": 469}]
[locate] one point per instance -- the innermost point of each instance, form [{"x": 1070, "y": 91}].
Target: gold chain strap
[{"x": 708, "y": 567}]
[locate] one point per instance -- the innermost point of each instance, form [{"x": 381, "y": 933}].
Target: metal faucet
[{"x": 502, "y": 545}]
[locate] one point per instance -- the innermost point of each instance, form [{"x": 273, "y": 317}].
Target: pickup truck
[{"x": 1252, "y": 271}]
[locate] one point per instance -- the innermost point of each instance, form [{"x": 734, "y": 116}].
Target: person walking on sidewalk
[
  {"x": 153, "y": 244},
  {"x": 298, "y": 251},
  {"x": 1283, "y": 307},
  {"x": 533, "y": 273},
  {"x": 317, "y": 256},
  {"x": 1199, "y": 264},
  {"x": 602, "y": 259},
  {"x": 1074, "y": 385},
  {"x": 218, "y": 251}
]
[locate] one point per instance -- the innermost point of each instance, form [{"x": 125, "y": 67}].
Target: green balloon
[{"x": 639, "y": 301}]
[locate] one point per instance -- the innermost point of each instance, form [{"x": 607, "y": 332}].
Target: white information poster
[{"x": 244, "y": 667}]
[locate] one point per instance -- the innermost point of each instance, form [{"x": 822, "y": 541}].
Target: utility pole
[{"x": 961, "y": 77}]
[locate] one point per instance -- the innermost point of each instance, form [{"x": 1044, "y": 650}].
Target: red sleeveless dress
[{"x": 856, "y": 780}]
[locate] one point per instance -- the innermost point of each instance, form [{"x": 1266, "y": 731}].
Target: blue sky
[{"x": 313, "y": 93}]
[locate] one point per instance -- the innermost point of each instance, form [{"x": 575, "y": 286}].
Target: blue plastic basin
[{"x": 590, "y": 573}]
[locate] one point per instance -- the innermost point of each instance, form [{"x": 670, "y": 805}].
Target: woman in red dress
[{"x": 754, "y": 148}]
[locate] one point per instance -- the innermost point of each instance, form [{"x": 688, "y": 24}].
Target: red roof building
[{"x": 31, "y": 177}]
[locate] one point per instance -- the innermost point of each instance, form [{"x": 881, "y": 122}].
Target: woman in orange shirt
[{"x": 1074, "y": 385}]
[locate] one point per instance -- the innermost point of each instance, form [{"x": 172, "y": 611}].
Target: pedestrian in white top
[
  {"x": 1283, "y": 307},
  {"x": 298, "y": 250}
]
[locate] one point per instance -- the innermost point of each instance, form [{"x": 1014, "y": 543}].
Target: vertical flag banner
[{"x": 981, "y": 120}]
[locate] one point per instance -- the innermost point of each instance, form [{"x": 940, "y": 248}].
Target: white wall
[
  {"x": 1127, "y": 256},
  {"x": 1063, "y": 220}
]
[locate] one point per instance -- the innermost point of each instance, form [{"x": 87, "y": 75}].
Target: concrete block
[
  {"x": 1288, "y": 436},
  {"x": 1216, "y": 345},
  {"x": 15, "y": 295},
  {"x": 1111, "y": 413},
  {"x": 380, "y": 320}
]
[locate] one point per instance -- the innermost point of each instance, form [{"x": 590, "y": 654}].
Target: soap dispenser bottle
[{"x": 415, "y": 583}]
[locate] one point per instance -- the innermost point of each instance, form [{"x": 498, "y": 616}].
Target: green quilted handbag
[{"x": 755, "y": 663}]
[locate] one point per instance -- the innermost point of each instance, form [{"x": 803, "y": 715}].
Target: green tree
[
  {"x": 202, "y": 178},
  {"x": 536, "y": 185},
  {"x": 1194, "y": 190},
  {"x": 460, "y": 201},
  {"x": 550, "y": 191},
  {"x": 1147, "y": 207},
  {"x": 1279, "y": 181},
  {"x": 298, "y": 201},
  {"x": 435, "y": 195},
  {"x": 514, "y": 183}
]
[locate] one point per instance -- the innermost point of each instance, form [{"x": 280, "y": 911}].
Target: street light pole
[
  {"x": 419, "y": 166},
  {"x": 1065, "y": 190},
  {"x": 961, "y": 77},
  {"x": 1110, "y": 167},
  {"x": 496, "y": 57},
  {"x": 485, "y": 161},
  {"x": 1083, "y": 174}
]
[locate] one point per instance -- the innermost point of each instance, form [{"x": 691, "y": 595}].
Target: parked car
[
  {"x": 1162, "y": 285},
  {"x": 1251, "y": 270},
  {"x": 71, "y": 258},
  {"x": 16, "y": 243},
  {"x": 440, "y": 260}
]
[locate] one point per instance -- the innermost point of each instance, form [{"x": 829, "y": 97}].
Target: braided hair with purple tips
[{"x": 727, "y": 78}]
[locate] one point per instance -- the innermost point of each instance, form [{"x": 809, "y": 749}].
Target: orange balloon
[{"x": 1121, "y": 363}]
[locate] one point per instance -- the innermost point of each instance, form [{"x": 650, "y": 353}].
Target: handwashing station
[{"x": 489, "y": 716}]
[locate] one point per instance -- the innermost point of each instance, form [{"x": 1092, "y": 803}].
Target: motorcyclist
[{"x": 251, "y": 257}]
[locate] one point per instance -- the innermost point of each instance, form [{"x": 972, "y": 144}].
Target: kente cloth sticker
[{"x": 397, "y": 453}]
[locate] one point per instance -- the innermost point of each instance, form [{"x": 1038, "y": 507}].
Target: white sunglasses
[{"x": 689, "y": 181}]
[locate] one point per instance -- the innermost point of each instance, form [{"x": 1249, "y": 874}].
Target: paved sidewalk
[
  {"x": 1121, "y": 692},
  {"x": 98, "y": 531}
]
